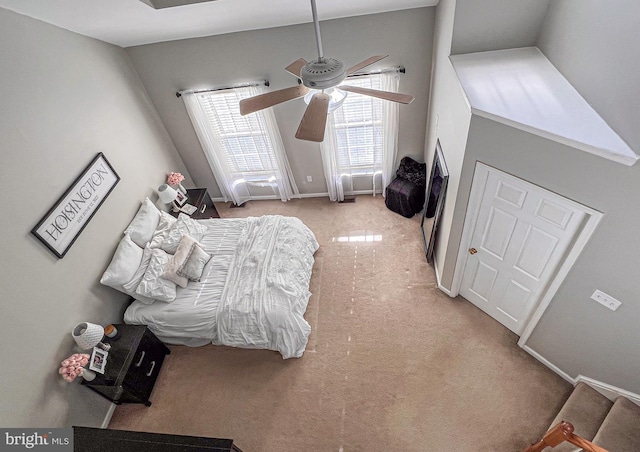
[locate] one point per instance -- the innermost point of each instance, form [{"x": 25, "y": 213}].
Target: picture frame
[
  {"x": 434, "y": 202},
  {"x": 98, "y": 361},
  {"x": 62, "y": 224},
  {"x": 181, "y": 199}
]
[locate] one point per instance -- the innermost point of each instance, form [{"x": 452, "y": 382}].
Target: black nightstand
[
  {"x": 133, "y": 365},
  {"x": 199, "y": 197}
]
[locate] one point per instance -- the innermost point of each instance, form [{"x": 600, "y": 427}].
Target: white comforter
[{"x": 253, "y": 292}]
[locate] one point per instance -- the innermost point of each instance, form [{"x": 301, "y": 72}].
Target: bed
[{"x": 236, "y": 282}]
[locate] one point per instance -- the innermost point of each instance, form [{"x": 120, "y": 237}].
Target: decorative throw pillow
[
  {"x": 162, "y": 231},
  {"x": 124, "y": 263},
  {"x": 177, "y": 261},
  {"x": 152, "y": 284},
  {"x": 184, "y": 226},
  {"x": 193, "y": 266},
  {"x": 144, "y": 224}
]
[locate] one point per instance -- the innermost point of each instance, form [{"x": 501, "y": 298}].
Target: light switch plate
[{"x": 606, "y": 300}]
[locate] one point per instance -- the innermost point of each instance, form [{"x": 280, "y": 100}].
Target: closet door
[{"x": 521, "y": 235}]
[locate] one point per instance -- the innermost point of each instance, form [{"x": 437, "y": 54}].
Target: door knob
[{"x": 472, "y": 251}]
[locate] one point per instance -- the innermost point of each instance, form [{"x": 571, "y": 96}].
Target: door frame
[{"x": 478, "y": 184}]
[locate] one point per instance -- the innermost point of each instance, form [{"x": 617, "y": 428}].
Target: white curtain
[
  {"x": 335, "y": 179},
  {"x": 390, "y": 118},
  {"x": 340, "y": 180},
  {"x": 284, "y": 180},
  {"x": 233, "y": 184}
]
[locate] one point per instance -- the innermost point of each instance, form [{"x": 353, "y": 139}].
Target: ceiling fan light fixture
[{"x": 337, "y": 98}]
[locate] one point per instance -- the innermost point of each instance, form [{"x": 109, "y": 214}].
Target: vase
[
  {"x": 182, "y": 189},
  {"x": 88, "y": 374}
]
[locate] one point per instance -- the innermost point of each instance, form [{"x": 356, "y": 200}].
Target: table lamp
[
  {"x": 167, "y": 194},
  {"x": 88, "y": 335}
]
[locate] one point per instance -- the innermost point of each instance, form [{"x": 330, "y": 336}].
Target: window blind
[
  {"x": 244, "y": 139},
  {"x": 359, "y": 128}
]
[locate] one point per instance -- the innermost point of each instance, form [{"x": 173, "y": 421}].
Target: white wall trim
[
  {"x": 306, "y": 195},
  {"x": 439, "y": 281},
  {"x": 593, "y": 220},
  {"x": 625, "y": 159},
  {"x": 473, "y": 207},
  {"x": 609, "y": 391},
  {"x": 480, "y": 177},
  {"x": 107, "y": 417},
  {"x": 549, "y": 364}
]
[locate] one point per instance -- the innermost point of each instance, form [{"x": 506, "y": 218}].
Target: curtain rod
[
  {"x": 244, "y": 85},
  {"x": 400, "y": 69}
]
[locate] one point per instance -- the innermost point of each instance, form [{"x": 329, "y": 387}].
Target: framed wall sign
[
  {"x": 434, "y": 202},
  {"x": 64, "y": 222}
]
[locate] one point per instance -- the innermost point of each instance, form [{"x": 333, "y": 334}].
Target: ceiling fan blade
[
  {"x": 386, "y": 95},
  {"x": 295, "y": 67},
  {"x": 266, "y": 100},
  {"x": 314, "y": 119},
  {"x": 365, "y": 63}
]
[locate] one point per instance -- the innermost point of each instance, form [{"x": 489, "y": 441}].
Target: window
[
  {"x": 362, "y": 139},
  {"x": 244, "y": 139},
  {"x": 359, "y": 129},
  {"x": 245, "y": 153}
]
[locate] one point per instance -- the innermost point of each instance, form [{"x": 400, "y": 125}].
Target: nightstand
[
  {"x": 133, "y": 365},
  {"x": 199, "y": 197}
]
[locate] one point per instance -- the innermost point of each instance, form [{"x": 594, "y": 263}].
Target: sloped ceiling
[{"x": 133, "y": 22}]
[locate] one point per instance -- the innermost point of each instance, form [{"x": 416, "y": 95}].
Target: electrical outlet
[
  {"x": 605, "y": 300},
  {"x": 309, "y": 179}
]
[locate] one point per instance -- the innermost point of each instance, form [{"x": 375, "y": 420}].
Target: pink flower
[
  {"x": 73, "y": 366},
  {"x": 174, "y": 178}
]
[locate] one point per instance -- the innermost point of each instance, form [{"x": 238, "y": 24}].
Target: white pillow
[
  {"x": 124, "y": 264},
  {"x": 132, "y": 285},
  {"x": 184, "y": 226},
  {"x": 144, "y": 224},
  {"x": 152, "y": 285},
  {"x": 162, "y": 231}
]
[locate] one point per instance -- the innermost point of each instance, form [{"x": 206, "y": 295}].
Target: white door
[{"x": 520, "y": 237}]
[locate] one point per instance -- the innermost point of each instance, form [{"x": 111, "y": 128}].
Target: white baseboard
[
  {"x": 609, "y": 391},
  {"x": 438, "y": 280},
  {"x": 307, "y": 195},
  {"x": 549, "y": 364},
  {"x": 107, "y": 417}
]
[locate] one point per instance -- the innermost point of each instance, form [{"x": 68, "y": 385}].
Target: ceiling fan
[{"x": 319, "y": 81}]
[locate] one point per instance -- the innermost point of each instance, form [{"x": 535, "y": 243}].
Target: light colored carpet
[{"x": 392, "y": 364}]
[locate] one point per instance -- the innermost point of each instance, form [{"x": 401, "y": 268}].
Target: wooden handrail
[{"x": 560, "y": 433}]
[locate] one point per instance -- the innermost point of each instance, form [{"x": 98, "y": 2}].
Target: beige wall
[
  {"x": 230, "y": 59},
  {"x": 592, "y": 45},
  {"x": 496, "y": 24},
  {"x": 449, "y": 116},
  {"x": 65, "y": 98},
  {"x": 576, "y": 334}
]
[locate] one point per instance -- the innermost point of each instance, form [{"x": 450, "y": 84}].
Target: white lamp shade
[
  {"x": 87, "y": 335},
  {"x": 167, "y": 194}
]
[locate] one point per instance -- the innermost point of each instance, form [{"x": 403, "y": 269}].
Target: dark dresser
[{"x": 133, "y": 365}]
